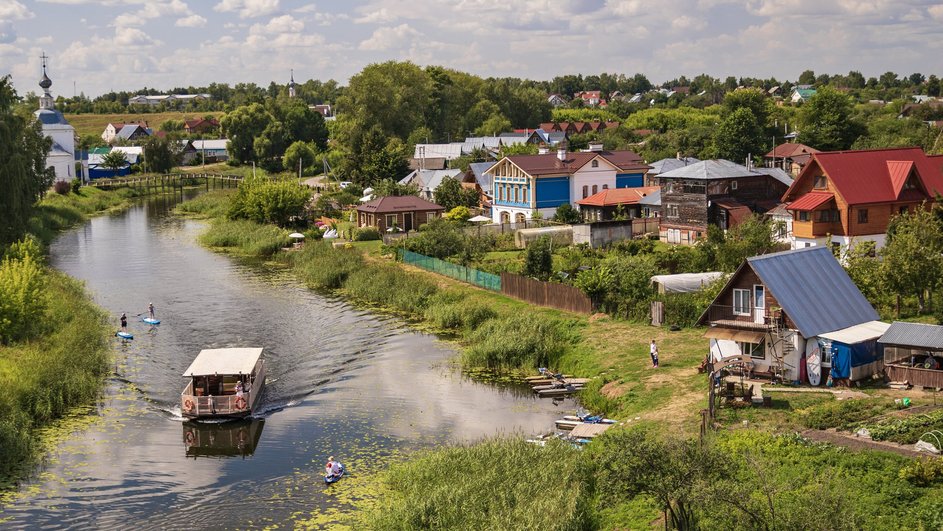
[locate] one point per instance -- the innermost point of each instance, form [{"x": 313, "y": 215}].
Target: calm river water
[{"x": 341, "y": 381}]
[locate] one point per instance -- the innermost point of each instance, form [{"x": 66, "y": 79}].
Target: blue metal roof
[
  {"x": 50, "y": 117},
  {"x": 813, "y": 289},
  {"x": 484, "y": 179}
]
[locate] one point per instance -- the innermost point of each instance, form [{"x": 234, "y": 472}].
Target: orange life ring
[
  {"x": 188, "y": 404},
  {"x": 189, "y": 437},
  {"x": 240, "y": 402}
]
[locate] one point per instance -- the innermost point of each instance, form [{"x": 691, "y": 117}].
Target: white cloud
[
  {"x": 936, "y": 12},
  {"x": 193, "y": 21},
  {"x": 14, "y": 10},
  {"x": 282, "y": 24},
  {"x": 7, "y": 32},
  {"x": 153, "y": 10},
  {"x": 248, "y": 8},
  {"x": 384, "y": 39},
  {"x": 380, "y": 16},
  {"x": 133, "y": 37}
]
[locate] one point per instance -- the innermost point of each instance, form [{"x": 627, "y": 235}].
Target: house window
[
  {"x": 824, "y": 216},
  {"x": 821, "y": 182},
  {"x": 595, "y": 189},
  {"x": 741, "y": 302},
  {"x": 595, "y": 164},
  {"x": 585, "y": 191},
  {"x": 803, "y": 215},
  {"x": 733, "y": 185},
  {"x": 863, "y": 215},
  {"x": 672, "y": 211},
  {"x": 825, "y": 347},
  {"x": 390, "y": 220},
  {"x": 756, "y": 351},
  {"x": 605, "y": 187}
]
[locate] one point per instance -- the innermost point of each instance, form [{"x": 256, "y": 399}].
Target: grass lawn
[{"x": 94, "y": 124}]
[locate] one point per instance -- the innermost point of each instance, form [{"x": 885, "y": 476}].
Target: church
[{"x": 61, "y": 155}]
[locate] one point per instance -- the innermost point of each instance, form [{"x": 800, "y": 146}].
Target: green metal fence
[{"x": 465, "y": 274}]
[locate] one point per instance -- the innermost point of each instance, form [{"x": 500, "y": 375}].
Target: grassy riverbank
[
  {"x": 56, "y": 349},
  {"x": 633, "y": 477}
]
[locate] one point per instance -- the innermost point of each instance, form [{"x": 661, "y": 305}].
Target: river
[{"x": 341, "y": 381}]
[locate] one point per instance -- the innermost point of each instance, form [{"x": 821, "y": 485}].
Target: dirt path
[{"x": 857, "y": 443}]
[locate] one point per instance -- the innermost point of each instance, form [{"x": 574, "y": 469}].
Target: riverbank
[
  {"x": 635, "y": 477},
  {"x": 60, "y": 363}
]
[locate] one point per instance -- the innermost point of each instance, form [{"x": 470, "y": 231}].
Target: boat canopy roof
[{"x": 224, "y": 361}]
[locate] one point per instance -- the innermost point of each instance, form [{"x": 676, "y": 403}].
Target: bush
[
  {"x": 516, "y": 342},
  {"x": 844, "y": 414},
  {"x": 22, "y": 299},
  {"x": 457, "y": 315},
  {"x": 61, "y": 187},
  {"x": 76, "y": 185},
  {"x": 923, "y": 472},
  {"x": 391, "y": 287},
  {"x": 245, "y": 236},
  {"x": 364, "y": 234},
  {"x": 263, "y": 200}
]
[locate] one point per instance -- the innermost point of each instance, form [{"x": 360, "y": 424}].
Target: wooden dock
[
  {"x": 168, "y": 181},
  {"x": 589, "y": 431}
]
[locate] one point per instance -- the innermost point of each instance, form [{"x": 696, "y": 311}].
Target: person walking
[{"x": 653, "y": 350}]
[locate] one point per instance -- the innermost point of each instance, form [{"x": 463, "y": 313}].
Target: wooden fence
[
  {"x": 168, "y": 180},
  {"x": 550, "y": 294}
]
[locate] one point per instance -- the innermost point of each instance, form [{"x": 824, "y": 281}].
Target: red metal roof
[
  {"x": 738, "y": 213},
  {"x": 863, "y": 177},
  {"x": 811, "y": 201},
  {"x": 790, "y": 150},
  {"x": 618, "y": 196},
  {"x": 899, "y": 170}
]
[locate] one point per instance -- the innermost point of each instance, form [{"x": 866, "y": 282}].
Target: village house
[
  {"x": 613, "y": 203},
  {"x": 556, "y": 100},
  {"x": 478, "y": 178},
  {"x": 802, "y": 94},
  {"x": 428, "y": 180},
  {"x": 791, "y": 157},
  {"x": 201, "y": 126},
  {"x": 166, "y": 99},
  {"x": 913, "y": 354},
  {"x": 847, "y": 196},
  {"x": 405, "y": 213},
  {"x": 715, "y": 192},
  {"x": 578, "y": 128},
  {"x": 780, "y": 311},
  {"x": 591, "y": 98},
  {"x": 525, "y": 184},
  {"x": 211, "y": 150},
  {"x": 126, "y": 131},
  {"x": 665, "y": 165}
]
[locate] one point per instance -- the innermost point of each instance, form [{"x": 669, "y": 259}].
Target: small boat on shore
[{"x": 223, "y": 383}]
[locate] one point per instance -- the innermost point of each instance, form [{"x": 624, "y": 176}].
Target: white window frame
[
  {"x": 733, "y": 185},
  {"x": 388, "y": 222},
  {"x": 746, "y": 297},
  {"x": 751, "y": 349}
]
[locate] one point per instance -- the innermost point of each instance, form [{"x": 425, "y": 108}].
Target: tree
[
  {"x": 266, "y": 201},
  {"x": 738, "y": 136},
  {"x": 865, "y": 271},
  {"x": 595, "y": 283},
  {"x": 302, "y": 124},
  {"x": 933, "y": 86},
  {"x": 494, "y": 125},
  {"x": 24, "y": 177},
  {"x": 114, "y": 160},
  {"x": 389, "y": 187},
  {"x": 538, "y": 258},
  {"x": 159, "y": 154},
  {"x": 754, "y": 99},
  {"x": 567, "y": 214},
  {"x": 299, "y": 151},
  {"x": 270, "y": 146},
  {"x": 450, "y": 194},
  {"x": 913, "y": 256},
  {"x": 242, "y": 126},
  {"x": 171, "y": 126},
  {"x": 459, "y": 214},
  {"x": 827, "y": 122},
  {"x": 807, "y": 77}
]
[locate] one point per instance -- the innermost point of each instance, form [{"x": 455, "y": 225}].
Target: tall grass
[
  {"x": 517, "y": 341},
  {"x": 245, "y": 237},
  {"x": 213, "y": 204},
  {"x": 44, "y": 377},
  {"x": 56, "y": 212},
  {"x": 495, "y": 484},
  {"x": 322, "y": 267},
  {"x": 390, "y": 286}
]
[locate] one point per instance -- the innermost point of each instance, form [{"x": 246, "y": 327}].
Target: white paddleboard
[{"x": 813, "y": 361}]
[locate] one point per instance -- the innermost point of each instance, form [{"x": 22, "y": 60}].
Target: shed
[
  {"x": 854, "y": 351},
  {"x": 913, "y": 352},
  {"x": 685, "y": 282}
]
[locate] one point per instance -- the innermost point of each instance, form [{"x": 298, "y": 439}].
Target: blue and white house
[{"x": 525, "y": 184}]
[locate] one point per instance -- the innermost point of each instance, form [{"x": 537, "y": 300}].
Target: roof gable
[
  {"x": 618, "y": 196},
  {"x": 813, "y": 289},
  {"x": 899, "y": 170}
]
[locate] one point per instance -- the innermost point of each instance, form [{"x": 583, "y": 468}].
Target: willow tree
[{"x": 24, "y": 177}]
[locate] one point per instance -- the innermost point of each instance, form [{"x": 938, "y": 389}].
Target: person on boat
[
  {"x": 333, "y": 468},
  {"x": 239, "y": 388},
  {"x": 124, "y": 322},
  {"x": 150, "y": 310}
]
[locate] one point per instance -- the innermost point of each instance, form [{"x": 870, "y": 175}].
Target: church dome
[{"x": 45, "y": 82}]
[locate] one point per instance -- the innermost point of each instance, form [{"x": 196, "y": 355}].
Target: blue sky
[{"x": 103, "y": 45}]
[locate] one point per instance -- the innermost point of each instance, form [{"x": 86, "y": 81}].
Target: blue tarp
[
  {"x": 844, "y": 357},
  {"x": 101, "y": 173}
]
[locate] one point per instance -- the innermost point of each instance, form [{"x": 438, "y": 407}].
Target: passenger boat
[{"x": 223, "y": 382}]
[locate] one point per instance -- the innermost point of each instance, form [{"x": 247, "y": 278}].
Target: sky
[{"x": 95, "y": 46}]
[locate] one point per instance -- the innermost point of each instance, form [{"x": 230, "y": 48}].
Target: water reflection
[{"x": 222, "y": 439}]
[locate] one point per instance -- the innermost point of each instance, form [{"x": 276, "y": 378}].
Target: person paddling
[
  {"x": 124, "y": 322},
  {"x": 150, "y": 310}
]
